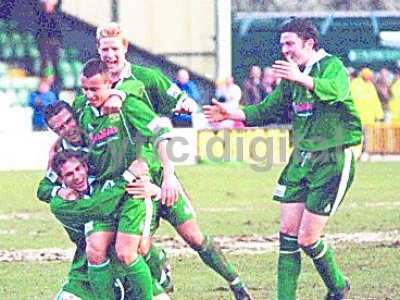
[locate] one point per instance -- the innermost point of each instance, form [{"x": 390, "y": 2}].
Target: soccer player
[
  {"x": 91, "y": 202},
  {"x": 315, "y": 88},
  {"x": 161, "y": 94},
  {"x": 115, "y": 139}
]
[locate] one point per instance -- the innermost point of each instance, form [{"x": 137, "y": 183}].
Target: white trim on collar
[
  {"x": 126, "y": 71},
  {"x": 319, "y": 55},
  {"x": 68, "y": 146}
]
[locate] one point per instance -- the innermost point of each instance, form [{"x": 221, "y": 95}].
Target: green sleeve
[
  {"x": 102, "y": 203},
  {"x": 140, "y": 116},
  {"x": 163, "y": 93},
  {"x": 46, "y": 188},
  {"x": 271, "y": 108},
  {"x": 135, "y": 88},
  {"x": 333, "y": 84},
  {"x": 79, "y": 104}
]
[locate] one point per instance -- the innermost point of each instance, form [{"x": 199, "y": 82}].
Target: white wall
[{"x": 168, "y": 27}]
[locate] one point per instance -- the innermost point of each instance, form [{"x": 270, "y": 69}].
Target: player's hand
[
  {"x": 142, "y": 189},
  {"x": 139, "y": 168},
  {"x": 216, "y": 112},
  {"x": 188, "y": 105},
  {"x": 169, "y": 190},
  {"x": 112, "y": 105},
  {"x": 288, "y": 70},
  {"x": 144, "y": 246},
  {"x": 53, "y": 152},
  {"x": 68, "y": 194}
]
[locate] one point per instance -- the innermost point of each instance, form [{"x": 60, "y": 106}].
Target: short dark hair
[
  {"x": 304, "y": 28},
  {"x": 55, "y": 108},
  {"x": 62, "y": 157},
  {"x": 93, "y": 67}
]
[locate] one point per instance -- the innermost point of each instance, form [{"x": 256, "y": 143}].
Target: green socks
[
  {"x": 289, "y": 266},
  {"x": 324, "y": 261},
  {"x": 102, "y": 281},
  {"x": 156, "y": 259},
  {"x": 139, "y": 278},
  {"x": 213, "y": 257}
]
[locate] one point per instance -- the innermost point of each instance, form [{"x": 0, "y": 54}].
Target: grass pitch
[{"x": 231, "y": 200}]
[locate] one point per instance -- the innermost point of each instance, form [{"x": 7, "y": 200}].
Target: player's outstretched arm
[{"x": 219, "y": 111}]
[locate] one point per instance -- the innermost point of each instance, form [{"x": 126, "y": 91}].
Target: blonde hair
[{"x": 111, "y": 29}]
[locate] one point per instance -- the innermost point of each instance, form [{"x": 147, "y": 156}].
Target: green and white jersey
[
  {"x": 100, "y": 202},
  {"x": 118, "y": 139},
  {"x": 321, "y": 119}
]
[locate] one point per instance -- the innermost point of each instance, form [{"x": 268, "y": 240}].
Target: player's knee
[
  {"x": 191, "y": 233},
  {"x": 95, "y": 255},
  {"x": 125, "y": 255}
]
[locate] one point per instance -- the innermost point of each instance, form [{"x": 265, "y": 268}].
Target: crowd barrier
[
  {"x": 22, "y": 149},
  {"x": 382, "y": 138}
]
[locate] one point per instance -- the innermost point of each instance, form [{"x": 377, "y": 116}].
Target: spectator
[
  {"x": 49, "y": 38},
  {"x": 352, "y": 73},
  {"x": 268, "y": 82},
  {"x": 383, "y": 82},
  {"x": 367, "y": 103},
  {"x": 188, "y": 86},
  {"x": 251, "y": 87},
  {"x": 229, "y": 92},
  {"x": 394, "y": 103},
  {"x": 39, "y": 100},
  {"x": 366, "y": 99}
]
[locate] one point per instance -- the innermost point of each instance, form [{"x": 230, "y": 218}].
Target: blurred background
[{"x": 211, "y": 48}]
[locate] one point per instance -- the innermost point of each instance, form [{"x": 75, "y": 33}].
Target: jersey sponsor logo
[
  {"x": 279, "y": 190},
  {"x": 103, "y": 135},
  {"x": 303, "y": 109}
]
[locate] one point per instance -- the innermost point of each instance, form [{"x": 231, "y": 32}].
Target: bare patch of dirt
[{"x": 247, "y": 244}]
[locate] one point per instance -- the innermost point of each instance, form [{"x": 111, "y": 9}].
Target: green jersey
[
  {"x": 118, "y": 139},
  {"x": 100, "y": 203},
  {"x": 160, "y": 90},
  {"x": 323, "y": 118}
]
